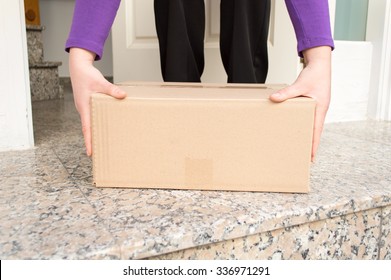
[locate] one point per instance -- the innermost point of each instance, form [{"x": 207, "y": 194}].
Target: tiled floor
[{"x": 51, "y": 210}]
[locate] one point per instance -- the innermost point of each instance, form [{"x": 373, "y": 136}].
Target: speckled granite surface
[
  {"x": 34, "y": 44},
  {"x": 50, "y": 210},
  {"x": 385, "y": 239},
  {"x": 44, "y": 80},
  {"x": 353, "y": 236}
]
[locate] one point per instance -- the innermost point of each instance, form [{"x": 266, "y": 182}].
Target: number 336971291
[{"x": 242, "y": 270}]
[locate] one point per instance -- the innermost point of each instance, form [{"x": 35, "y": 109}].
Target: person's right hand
[{"x": 86, "y": 79}]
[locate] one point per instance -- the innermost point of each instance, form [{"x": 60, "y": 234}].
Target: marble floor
[{"x": 51, "y": 210}]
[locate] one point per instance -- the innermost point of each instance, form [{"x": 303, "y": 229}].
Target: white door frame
[
  {"x": 135, "y": 43},
  {"x": 136, "y": 54},
  {"x": 16, "y": 128},
  {"x": 379, "y": 33}
]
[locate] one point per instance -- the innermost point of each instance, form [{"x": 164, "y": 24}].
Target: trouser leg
[
  {"x": 243, "y": 39},
  {"x": 180, "y": 26}
]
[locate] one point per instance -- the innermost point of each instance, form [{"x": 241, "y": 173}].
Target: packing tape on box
[{"x": 198, "y": 172}]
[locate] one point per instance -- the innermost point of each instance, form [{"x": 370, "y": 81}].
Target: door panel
[
  {"x": 284, "y": 63},
  {"x": 135, "y": 48},
  {"x": 136, "y": 53}
]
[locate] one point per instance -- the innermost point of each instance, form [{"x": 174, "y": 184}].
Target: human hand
[
  {"x": 314, "y": 81},
  {"x": 86, "y": 79}
]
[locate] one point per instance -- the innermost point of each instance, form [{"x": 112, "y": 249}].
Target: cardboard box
[{"x": 202, "y": 136}]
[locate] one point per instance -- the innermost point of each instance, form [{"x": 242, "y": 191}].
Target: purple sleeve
[
  {"x": 92, "y": 21},
  {"x": 311, "y": 21}
]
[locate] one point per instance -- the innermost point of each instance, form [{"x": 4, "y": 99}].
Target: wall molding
[{"x": 384, "y": 95}]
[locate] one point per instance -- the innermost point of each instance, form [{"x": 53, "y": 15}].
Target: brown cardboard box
[{"x": 202, "y": 136}]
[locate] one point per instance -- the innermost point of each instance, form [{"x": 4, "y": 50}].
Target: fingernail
[{"x": 276, "y": 94}]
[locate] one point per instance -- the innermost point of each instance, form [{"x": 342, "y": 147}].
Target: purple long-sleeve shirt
[{"x": 92, "y": 21}]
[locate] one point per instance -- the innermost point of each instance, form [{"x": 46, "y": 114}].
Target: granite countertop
[{"x": 51, "y": 210}]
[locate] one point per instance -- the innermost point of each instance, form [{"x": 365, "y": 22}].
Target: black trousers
[{"x": 244, "y": 26}]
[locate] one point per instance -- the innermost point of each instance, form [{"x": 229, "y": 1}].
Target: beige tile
[
  {"x": 40, "y": 163},
  {"x": 52, "y": 242},
  {"x": 369, "y": 130},
  {"x": 44, "y": 220}
]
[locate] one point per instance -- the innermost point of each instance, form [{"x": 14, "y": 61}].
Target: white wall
[
  {"x": 362, "y": 70},
  {"x": 351, "y": 75},
  {"x": 16, "y": 131},
  {"x": 56, "y": 16},
  {"x": 379, "y": 33}
]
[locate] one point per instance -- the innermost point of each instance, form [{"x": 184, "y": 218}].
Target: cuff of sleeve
[
  {"x": 87, "y": 45},
  {"x": 312, "y": 43}
]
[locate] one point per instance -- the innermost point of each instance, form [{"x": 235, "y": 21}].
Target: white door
[
  {"x": 136, "y": 53},
  {"x": 135, "y": 46},
  {"x": 16, "y": 127}
]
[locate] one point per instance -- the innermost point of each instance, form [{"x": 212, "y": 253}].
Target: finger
[
  {"x": 113, "y": 90},
  {"x": 320, "y": 115},
  {"x": 285, "y": 93},
  {"x": 86, "y": 128}
]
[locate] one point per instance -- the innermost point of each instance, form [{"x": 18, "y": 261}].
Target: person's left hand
[{"x": 314, "y": 81}]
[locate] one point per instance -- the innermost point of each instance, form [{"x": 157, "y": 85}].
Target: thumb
[
  {"x": 113, "y": 90},
  {"x": 86, "y": 129},
  {"x": 285, "y": 93}
]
